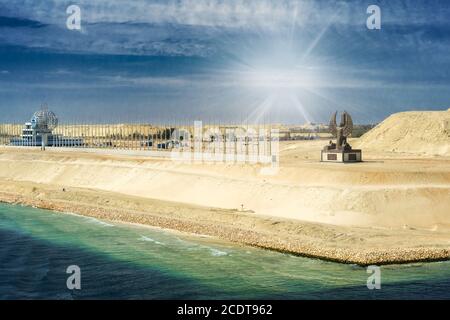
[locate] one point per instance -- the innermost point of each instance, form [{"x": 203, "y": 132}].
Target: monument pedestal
[{"x": 336, "y": 155}]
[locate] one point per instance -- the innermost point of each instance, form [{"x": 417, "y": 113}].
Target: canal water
[{"x": 121, "y": 261}]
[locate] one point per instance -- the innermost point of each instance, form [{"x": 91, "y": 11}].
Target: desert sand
[
  {"x": 392, "y": 208},
  {"x": 425, "y": 133}
]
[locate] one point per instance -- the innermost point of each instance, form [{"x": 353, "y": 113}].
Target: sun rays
[{"x": 278, "y": 70}]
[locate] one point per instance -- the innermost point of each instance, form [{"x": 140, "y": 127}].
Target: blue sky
[{"x": 223, "y": 60}]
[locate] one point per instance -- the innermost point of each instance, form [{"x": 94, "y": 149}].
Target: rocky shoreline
[{"x": 356, "y": 245}]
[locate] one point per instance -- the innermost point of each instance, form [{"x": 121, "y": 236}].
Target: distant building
[{"x": 39, "y": 132}]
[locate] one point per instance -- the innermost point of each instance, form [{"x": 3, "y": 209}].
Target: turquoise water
[{"x": 120, "y": 261}]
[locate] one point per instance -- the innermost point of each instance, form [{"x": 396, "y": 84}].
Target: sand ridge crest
[{"x": 412, "y": 132}]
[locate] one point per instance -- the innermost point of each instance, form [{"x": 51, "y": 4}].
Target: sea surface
[{"x": 122, "y": 261}]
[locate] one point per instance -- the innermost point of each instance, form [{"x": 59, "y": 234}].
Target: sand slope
[
  {"x": 414, "y": 132},
  {"x": 393, "y": 207},
  {"x": 389, "y": 193},
  {"x": 361, "y": 245}
]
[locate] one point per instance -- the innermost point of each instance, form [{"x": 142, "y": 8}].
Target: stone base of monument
[{"x": 354, "y": 155}]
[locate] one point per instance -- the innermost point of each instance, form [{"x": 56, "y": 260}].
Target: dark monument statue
[{"x": 341, "y": 151}]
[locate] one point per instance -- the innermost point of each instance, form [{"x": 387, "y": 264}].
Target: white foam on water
[
  {"x": 99, "y": 222},
  {"x": 144, "y": 238},
  {"x": 217, "y": 253},
  {"x": 192, "y": 246},
  {"x": 90, "y": 219}
]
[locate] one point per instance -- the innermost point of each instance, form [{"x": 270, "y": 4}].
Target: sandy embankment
[
  {"x": 423, "y": 133},
  {"x": 382, "y": 211},
  {"x": 394, "y": 207}
]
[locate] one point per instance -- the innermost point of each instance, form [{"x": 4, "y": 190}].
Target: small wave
[
  {"x": 90, "y": 219},
  {"x": 144, "y": 238},
  {"x": 194, "y": 246},
  {"x": 217, "y": 253},
  {"x": 99, "y": 222}
]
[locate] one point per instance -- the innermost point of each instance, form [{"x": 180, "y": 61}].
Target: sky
[{"x": 250, "y": 61}]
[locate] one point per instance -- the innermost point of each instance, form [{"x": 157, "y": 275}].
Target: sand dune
[{"x": 414, "y": 132}]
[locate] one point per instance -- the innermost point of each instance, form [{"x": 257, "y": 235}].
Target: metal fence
[{"x": 218, "y": 141}]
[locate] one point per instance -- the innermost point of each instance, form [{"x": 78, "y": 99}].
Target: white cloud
[
  {"x": 146, "y": 81},
  {"x": 203, "y": 27},
  {"x": 110, "y": 39},
  {"x": 225, "y": 13},
  {"x": 213, "y": 13}
]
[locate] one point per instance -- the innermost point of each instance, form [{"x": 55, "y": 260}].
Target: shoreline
[{"x": 355, "y": 245}]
